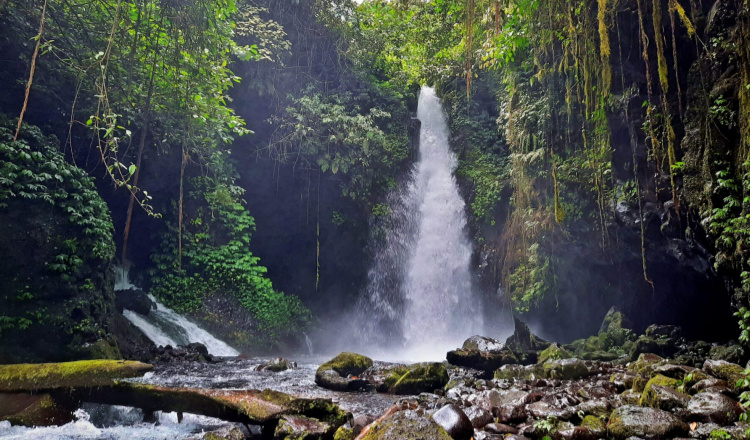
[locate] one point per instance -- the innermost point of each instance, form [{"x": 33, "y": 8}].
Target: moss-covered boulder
[
  {"x": 615, "y": 320},
  {"x": 730, "y": 372},
  {"x": 595, "y": 425},
  {"x": 341, "y": 373},
  {"x": 405, "y": 425},
  {"x": 646, "y": 363},
  {"x": 649, "y": 423},
  {"x": 295, "y": 427},
  {"x": 661, "y": 392},
  {"x": 417, "y": 378},
  {"x": 56, "y": 248},
  {"x": 519, "y": 372},
  {"x": 95, "y": 373},
  {"x": 554, "y": 352},
  {"x": 344, "y": 433},
  {"x": 277, "y": 365}
]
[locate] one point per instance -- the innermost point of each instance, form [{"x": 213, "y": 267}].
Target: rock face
[
  {"x": 648, "y": 423},
  {"x": 340, "y": 373}
]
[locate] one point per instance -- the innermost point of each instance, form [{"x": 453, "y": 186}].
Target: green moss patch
[
  {"x": 94, "y": 373},
  {"x": 347, "y": 363},
  {"x": 417, "y": 378}
]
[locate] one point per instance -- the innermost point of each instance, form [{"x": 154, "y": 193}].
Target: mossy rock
[
  {"x": 296, "y": 427},
  {"x": 347, "y": 364},
  {"x": 634, "y": 421},
  {"x": 78, "y": 374},
  {"x": 518, "y": 372},
  {"x": 652, "y": 398},
  {"x": 554, "y": 352},
  {"x": 596, "y": 425},
  {"x": 639, "y": 384},
  {"x": 344, "y": 433},
  {"x": 406, "y": 425},
  {"x": 732, "y": 373},
  {"x": 480, "y": 360},
  {"x": 417, "y": 378},
  {"x": 646, "y": 363}
]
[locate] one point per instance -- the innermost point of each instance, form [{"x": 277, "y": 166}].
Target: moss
[
  {"x": 594, "y": 424},
  {"x": 344, "y": 433},
  {"x": 93, "y": 373},
  {"x": 347, "y": 363},
  {"x": 639, "y": 383},
  {"x": 649, "y": 396},
  {"x": 417, "y": 378},
  {"x": 565, "y": 369},
  {"x": 553, "y": 352},
  {"x": 645, "y": 363},
  {"x": 406, "y": 426}
]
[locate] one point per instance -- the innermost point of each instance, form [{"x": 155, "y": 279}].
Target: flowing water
[
  {"x": 165, "y": 327},
  {"x": 420, "y": 291}
]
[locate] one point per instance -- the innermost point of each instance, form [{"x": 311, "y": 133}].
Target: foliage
[{"x": 217, "y": 259}]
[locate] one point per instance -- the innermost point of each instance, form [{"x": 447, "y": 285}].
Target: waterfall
[
  {"x": 420, "y": 291},
  {"x": 163, "y": 326}
]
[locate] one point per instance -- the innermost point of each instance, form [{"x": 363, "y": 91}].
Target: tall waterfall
[{"x": 420, "y": 291}]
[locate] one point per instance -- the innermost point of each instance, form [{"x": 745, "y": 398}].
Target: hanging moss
[{"x": 605, "y": 50}]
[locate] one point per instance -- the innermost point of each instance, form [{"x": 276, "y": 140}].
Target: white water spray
[{"x": 420, "y": 284}]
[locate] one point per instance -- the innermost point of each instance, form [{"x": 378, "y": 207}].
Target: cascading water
[
  {"x": 420, "y": 288},
  {"x": 163, "y": 326}
]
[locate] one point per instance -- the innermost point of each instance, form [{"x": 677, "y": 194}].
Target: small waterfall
[
  {"x": 163, "y": 326},
  {"x": 309, "y": 344},
  {"x": 420, "y": 292}
]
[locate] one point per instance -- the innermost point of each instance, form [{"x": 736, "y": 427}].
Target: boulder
[
  {"x": 732, "y": 373},
  {"x": 301, "y": 428},
  {"x": 647, "y": 423},
  {"x": 94, "y": 373},
  {"x": 661, "y": 392},
  {"x": 485, "y": 361},
  {"x": 479, "y": 417},
  {"x": 404, "y": 425},
  {"x": 595, "y": 425},
  {"x": 522, "y": 340},
  {"x": 554, "y": 352},
  {"x": 340, "y": 373},
  {"x": 277, "y": 365},
  {"x": 484, "y": 344},
  {"x": 518, "y": 372},
  {"x": 713, "y": 407},
  {"x": 133, "y": 299},
  {"x": 417, "y": 378},
  {"x": 454, "y": 421}
]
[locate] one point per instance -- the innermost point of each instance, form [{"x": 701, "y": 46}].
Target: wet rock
[
  {"x": 595, "y": 425},
  {"x": 660, "y": 392},
  {"x": 277, "y": 365},
  {"x": 565, "y": 369},
  {"x": 485, "y": 361},
  {"x": 545, "y": 410},
  {"x": 523, "y": 340},
  {"x": 507, "y": 413},
  {"x": 344, "y": 433},
  {"x": 491, "y": 399},
  {"x": 198, "y": 348},
  {"x": 499, "y": 428},
  {"x": 575, "y": 433},
  {"x": 360, "y": 422},
  {"x": 300, "y": 427},
  {"x": 479, "y": 417},
  {"x": 710, "y": 383},
  {"x": 615, "y": 320},
  {"x": 648, "y": 423},
  {"x": 225, "y": 433},
  {"x": 133, "y": 299},
  {"x": 713, "y": 407},
  {"x": 340, "y": 373},
  {"x": 596, "y": 407},
  {"x": 645, "y": 344},
  {"x": 518, "y": 372},
  {"x": 417, "y": 378},
  {"x": 724, "y": 370},
  {"x": 730, "y": 353},
  {"x": 622, "y": 381},
  {"x": 646, "y": 363},
  {"x": 454, "y": 421},
  {"x": 484, "y": 344},
  {"x": 405, "y": 425}
]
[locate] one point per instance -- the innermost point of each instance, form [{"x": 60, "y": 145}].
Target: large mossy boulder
[
  {"x": 55, "y": 251},
  {"x": 647, "y": 423},
  {"x": 565, "y": 369},
  {"x": 554, "y": 352},
  {"x": 418, "y": 378},
  {"x": 79, "y": 374},
  {"x": 341, "y": 373},
  {"x": 405, "y": 425},
  {"x": 522, "y": 340},
  {"x": 661, "y": 392},
  {"x": 728, "y": 371},
  {"x": 479, "y": 360}
]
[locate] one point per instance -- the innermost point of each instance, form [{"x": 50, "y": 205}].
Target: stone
[
  {"x": 712, "y": 383},
  {"x": 660, "y": 392},
  {"x": 405, "y": 425},
  {"x": 518, "y": 372},
  {"x": 225, "y": 433},
  {"x": 485, "y": 361},
  {"x": 300, "y": 428},
  {"x": 713, "y": 407},
  {"x": 730, "y": 372},
  {"x": 646, "y": 344},
  {"x": 648, "y": 423},
  {"x": 730, "y": 353},
  {"x": 479, "y": 417},
  {"x": 340, "y": 373},
  {"x": 499, "y": 428},
  {"x": 622, "y": 381},
  {"x": 615, "y": 320},
  {"x": 664, "y": 331},
  {"x": 523, "y": 340},
  {"x": 277, "y": 365},
  {"x": 454, "y": 421},
  {"x": 576, "y": 433},
  {"x": 545, "y": 410},
  {"x": 484, "y": 344},
  {"x": 417, "y": 378},
  {"x": 596, "y": 425},
  {"x": 554, "y": 352},
  {"x": 133, "y": 299}
]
